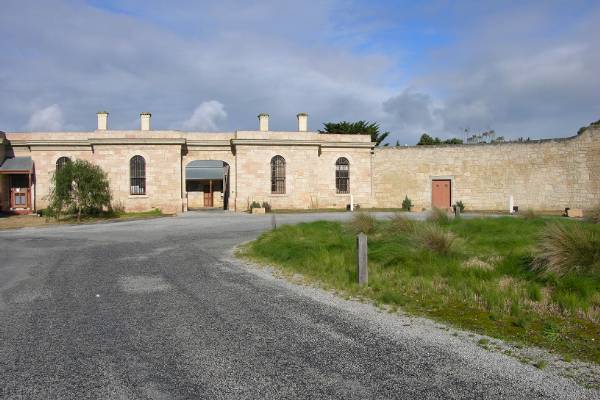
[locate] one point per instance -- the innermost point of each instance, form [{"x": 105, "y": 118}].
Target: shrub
[
  {"x": 266, "y": 206},
  {"x": 529, "y": 214},
  {"x": 460, "y": 205},
  {"x": 438, "y": 216},
  {"x": 79, "y": 187},
  {"x": 254, "y": 204},
  {"x": 362, "y": 222},
  {"x": 593, "y": 214},
  {"x": 400, "y": 224},
  {"x": 406, "y": 203},
  {"x": 562, "y": 249},
  {"x": 435, "y": 238}
]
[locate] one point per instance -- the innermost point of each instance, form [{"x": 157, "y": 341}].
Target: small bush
[
  {"x": 435, "y": 238},
  {"x": 400, "y": 224},
  {"x": 406, "y": 204},
  {"x": 562, "y": 249},
  {"x": 266, "y": 206},
  {"x": 254, "y": 204},
  {"x": 460, "y": 205},
  {"x": 529, "y": 214},
  {"x": 593, "y": 214},
  {"x": 438, "y": 216},
  {"x": 362, "y": 222}
]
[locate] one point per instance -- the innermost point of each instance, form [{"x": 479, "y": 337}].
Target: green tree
[
  {"x": 79, "y": 187},
  {"x": 427, "y": 140},
  {"x": 356, "y": 128}
]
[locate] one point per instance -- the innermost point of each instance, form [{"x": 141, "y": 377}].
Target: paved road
[{"x": 155, "y": 309}]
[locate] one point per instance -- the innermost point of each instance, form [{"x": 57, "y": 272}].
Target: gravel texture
[{"x": 158, "y": 309}]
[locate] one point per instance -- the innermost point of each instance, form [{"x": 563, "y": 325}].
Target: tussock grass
[
  {"x": 593, "y": 214},
  {"x": 564, "y": 249},
  {"x": 435, "y": 238},
  {"x": 438, "y": 216},
  {"x": 529, "y": 214},
  {"x": 362, "y": 222},
  {"x": 484, "y": 282}
]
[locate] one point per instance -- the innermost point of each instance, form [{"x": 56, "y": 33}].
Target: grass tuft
[
  {"x": 529, "y": 214},
  {"x": 593, "y": 214},
  {"x": 401, "y": 224},
  {"x": 435, "y": 238},
  {"x": 567, "y": 248},
  {"x": 438, "y": 216},
  {"x": 362, "y": 222}
]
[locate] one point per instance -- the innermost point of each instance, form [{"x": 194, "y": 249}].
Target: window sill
[
  {"x": 278, "y": 195},
  {"x": 343, "y": 194},
  {"x": 138, "y": 196}
]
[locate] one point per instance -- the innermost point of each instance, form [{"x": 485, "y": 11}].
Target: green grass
[{"x": 485, "y": 283}]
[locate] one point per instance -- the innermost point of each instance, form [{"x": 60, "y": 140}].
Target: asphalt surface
[{"x": 156, "y": 309}]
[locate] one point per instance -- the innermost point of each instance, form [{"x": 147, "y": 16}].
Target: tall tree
[
  {"x": 357, "y": 128},
  {"x": 79, "y": 187}
]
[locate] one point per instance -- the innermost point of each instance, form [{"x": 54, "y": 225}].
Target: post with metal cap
[{"x": 362, "y": 259}]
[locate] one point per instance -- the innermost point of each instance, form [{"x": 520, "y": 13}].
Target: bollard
[
  {"x": 273, "y": 222},
  {"x": 362, "y": 259}
]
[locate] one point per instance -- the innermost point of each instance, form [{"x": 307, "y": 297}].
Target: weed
[
  {"x": 593, "y": 214},
  {"x": 541, "y": 364},
  {"x": 406, "y": 204},
  {"x": 529, "y": 214},
  {"x": 483, "y": 342},
  {"x": 401, "y": 224}
]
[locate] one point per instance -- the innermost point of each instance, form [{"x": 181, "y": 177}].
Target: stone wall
[
  {"x": 3, "y": 179},
  {"x": 541, "y": 175}
]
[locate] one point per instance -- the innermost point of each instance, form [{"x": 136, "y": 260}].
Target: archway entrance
[{"x": 207, "y": 184}]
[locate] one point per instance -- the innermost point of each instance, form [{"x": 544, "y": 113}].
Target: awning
[
  {"x": 17, "y": 165},
  {"x": 204, "y": 169}
]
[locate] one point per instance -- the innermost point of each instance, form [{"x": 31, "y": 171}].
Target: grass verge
[{"x": 475, "y": 274}]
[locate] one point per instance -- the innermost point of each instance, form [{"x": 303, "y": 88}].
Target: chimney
[
  {"x": 145, "y": 121},
  {"x": 102, "y": 120},
  {"x": 302, "y": 122},
  {"x": 263, "y": 122}
]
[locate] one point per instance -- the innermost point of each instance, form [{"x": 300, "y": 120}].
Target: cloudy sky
[{"x": 522, "y": 68}]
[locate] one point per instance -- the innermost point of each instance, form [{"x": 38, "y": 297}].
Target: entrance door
[
  {"x": 208, "y": 199},
  {"x": 440, "y": 193}
]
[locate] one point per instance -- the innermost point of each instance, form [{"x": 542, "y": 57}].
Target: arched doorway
[{"x": 207, "y": 184}]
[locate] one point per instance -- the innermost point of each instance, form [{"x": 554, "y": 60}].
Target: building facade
[{"x": 178, "y": 171}]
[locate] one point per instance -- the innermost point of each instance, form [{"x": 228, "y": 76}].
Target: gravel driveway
[{"x": 157, "y": 309}]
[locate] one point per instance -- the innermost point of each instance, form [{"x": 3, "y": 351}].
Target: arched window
[
  {"x": 137, "y": 175},
  {"x": 61, "y": 162},
  {"x": 278, "y": 175},
  {"x": 342, "y": 175}
]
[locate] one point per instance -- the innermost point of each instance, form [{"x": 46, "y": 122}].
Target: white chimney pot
[
  {"x": 145, "y": 121},
  {"x": 302, "y": 122},
  {"x": 263, "y": 122},
  {"x": 102, "y": 120}
]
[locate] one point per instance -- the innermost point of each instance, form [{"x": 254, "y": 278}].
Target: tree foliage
[
  {"x": 427, "y": 140},
  {"x": 356, "y": 128},
  {"x": 80, "y": 188}
]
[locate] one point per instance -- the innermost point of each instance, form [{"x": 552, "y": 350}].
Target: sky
[{"x": 522, "y": 68}]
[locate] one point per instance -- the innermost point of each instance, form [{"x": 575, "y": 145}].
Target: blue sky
[{"x": 522, "y": 68}]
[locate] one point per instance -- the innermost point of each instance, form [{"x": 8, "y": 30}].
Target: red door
[
  {"x": 440, "y": 193},
  {"x": 208, "y": 199}
]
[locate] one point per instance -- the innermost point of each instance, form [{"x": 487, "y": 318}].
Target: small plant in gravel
[
  {"x": 562, "y": 249},
  {"x": 438, "y": 216},
  {"x": 541, "y": 364},
  {"x": 362, "y": 222},
  {"x": 460, "y": 205},
  {"x": 435, "y": 238},
  {"x": 406, "y": 204}
]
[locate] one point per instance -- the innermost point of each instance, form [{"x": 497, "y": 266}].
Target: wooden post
[
  {"x": 273, "y": 222},
  {"x": 362, "y": 259}
]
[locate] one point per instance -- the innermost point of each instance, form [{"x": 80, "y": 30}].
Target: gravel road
[{"x": 157, "y": 309}]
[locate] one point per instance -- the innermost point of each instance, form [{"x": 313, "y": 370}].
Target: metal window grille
[
  {"x": 278, "y": 175},
  {"x": 61, "y": 162},
  {"x": 137, "y": 173},
  {"x": 342, "y": 176}
]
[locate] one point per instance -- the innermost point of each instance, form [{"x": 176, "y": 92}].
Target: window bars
[
  {"x": 342, "y": 176},
  {"x": 61, "y": 162},
  {"x": 278, "y": 175},
  {"x": 137, "y": 173}
]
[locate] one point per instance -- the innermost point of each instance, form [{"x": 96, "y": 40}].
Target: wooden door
[
  {"x": 19, "y": 198},
  {"x": 208, "y": 199},
  {"x": 441, "y": 190}
]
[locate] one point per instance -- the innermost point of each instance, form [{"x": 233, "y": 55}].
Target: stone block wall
[
  {"x": 541, "y": 175},
  {"x": 3, "y": 179}
]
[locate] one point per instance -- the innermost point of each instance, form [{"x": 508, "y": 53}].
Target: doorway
[
  {"x": 441, "y": 193},
  {"x": 207, "y": 184}
]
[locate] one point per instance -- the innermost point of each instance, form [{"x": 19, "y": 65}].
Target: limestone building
[{"x": 179, "y": 171}]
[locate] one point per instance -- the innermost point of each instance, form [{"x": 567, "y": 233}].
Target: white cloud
[
  {"x": 206, "y": 117},
  {"x": 46, "y": 119}
]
